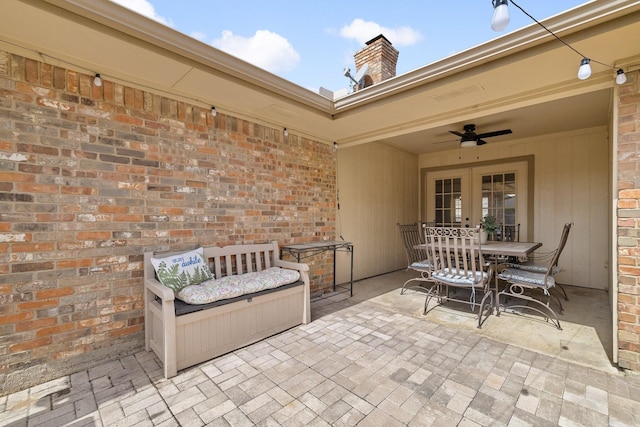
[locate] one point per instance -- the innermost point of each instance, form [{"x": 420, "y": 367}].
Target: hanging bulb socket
[
  {"x": 97, "y": 80},
  {"x": 213, "y": 112},
  {"x": 621, "y": 77},
  {"x": 584, "y": 72},
  {"x": 500, "y": 18}
]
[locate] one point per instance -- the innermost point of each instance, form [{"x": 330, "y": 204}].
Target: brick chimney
[{"x": 381, "y": 58}]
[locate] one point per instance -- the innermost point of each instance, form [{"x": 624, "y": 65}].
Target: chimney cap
[{"x": 376, "y": 38}]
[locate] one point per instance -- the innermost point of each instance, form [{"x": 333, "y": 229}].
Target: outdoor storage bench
[{"x": 240, "y": 299}]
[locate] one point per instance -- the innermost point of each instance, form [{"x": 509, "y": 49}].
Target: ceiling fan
[{"x": 470, "y": 138}]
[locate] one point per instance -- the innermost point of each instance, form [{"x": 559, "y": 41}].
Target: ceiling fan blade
[
  {"x": 480, "y": 142},
  {"x": 495, "y": 133},
  {"x": 456, "y": 133}
]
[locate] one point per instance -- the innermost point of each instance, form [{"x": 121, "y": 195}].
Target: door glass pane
[
  {"x": 499, "y": 200},
  {"x": 448, "y": 201}
]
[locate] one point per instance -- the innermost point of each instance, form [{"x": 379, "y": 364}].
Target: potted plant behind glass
[{"x": 489, "y": 226}]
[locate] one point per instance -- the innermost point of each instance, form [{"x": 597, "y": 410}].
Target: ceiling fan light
[{"x": 468, "y": 143}]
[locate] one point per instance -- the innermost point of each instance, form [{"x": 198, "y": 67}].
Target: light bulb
[
  {"x": 286, "y": 132},
  {"x": 621, "y": 77},
  {"x": 97, "y": 80},
  {"x": 213, "y": 111},
  {"x": 584, "y": 72},
  {"x": 500, "y": 18}
]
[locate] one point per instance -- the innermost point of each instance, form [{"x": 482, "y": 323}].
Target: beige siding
[
  {"x": 378, "y": 187},
  {"x": 571, "y": 183}
]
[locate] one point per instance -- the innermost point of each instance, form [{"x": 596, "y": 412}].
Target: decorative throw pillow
[{"x": 180, "y": 270}]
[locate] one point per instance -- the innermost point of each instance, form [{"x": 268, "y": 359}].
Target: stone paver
[{"x": 359, "y": 365}]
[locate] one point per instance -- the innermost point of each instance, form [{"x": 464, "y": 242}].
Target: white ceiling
[{"x": 578, "y": 112}]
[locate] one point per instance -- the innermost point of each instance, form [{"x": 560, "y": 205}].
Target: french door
[{"x": 462, "y": 197}]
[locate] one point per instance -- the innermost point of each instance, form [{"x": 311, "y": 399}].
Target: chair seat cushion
[
  {"x": 516, "y": 275},
  {"x": 534, "y": 267},
  {"x": 236, "y": 285},
  {"x": 421, "y": 265},
  {"x": 460, "y": 278}
]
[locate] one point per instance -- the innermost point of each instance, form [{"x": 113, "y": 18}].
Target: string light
[
  {"x": 213, "y": 111},
  {"x": 584, "y": 72},
  {"x": 285, "y": 132},
  {"x": 97, "y": 80},
  {"x": 500, "y": 18},
  {"x": 500, "y": 21}
]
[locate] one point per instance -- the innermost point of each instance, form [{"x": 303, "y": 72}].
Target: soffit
[{"x": 486, "y": 84}]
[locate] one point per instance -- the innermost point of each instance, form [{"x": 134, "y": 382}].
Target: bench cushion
[
  {"x": 237, "y": 285},
  {"x": 181, "y": 270},
  {"x": 182, "y": 308}
]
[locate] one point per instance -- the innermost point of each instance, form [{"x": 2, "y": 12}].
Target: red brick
[
  {"x": 39, "y": 304},
  {"x": 128, "y": 218},
  {"x": 113, "y": 209},
  {"x": 93, "y": 235},
  {"x": 30, "y": 345},
  {"x": 32, "y": 247},
  {"x": 74, "y": 263},
  {"x": 14, "y": 318},
  {"x": 31, "y": 266},
  {"x": 57, "y": 329},
  {"x": 87, "y": 191},
  {"x": 35, "y": 324},
  {"x": 53, "y": 293},
  {"x": 16, "y": 177}
]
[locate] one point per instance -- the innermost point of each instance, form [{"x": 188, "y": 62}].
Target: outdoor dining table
[{"x": 501, "y": 248}]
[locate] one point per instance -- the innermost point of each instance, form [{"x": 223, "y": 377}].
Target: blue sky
[{"x": 310, "y": 43}]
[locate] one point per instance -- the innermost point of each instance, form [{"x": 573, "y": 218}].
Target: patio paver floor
[{"x": 363, "y": 364}]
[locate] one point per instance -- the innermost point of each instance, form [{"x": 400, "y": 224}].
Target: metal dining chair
[
  {"x": 457, "y": 258},
  {"x": 412, "y": 235},
  {"x": 537, "y": 278},
  {"x": 537, "y": 262}
]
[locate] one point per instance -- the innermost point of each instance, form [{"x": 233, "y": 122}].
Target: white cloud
[
  {"x": 363, "y": 31},
  {"x": 143, "y": 7},
  {"x": 264, "y": 49},
  {"x": 198, "y": 35}
]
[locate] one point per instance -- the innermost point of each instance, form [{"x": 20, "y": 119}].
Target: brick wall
[
  {"x": 629, "y": 224},
  {"x": 92, "y": 177}
]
